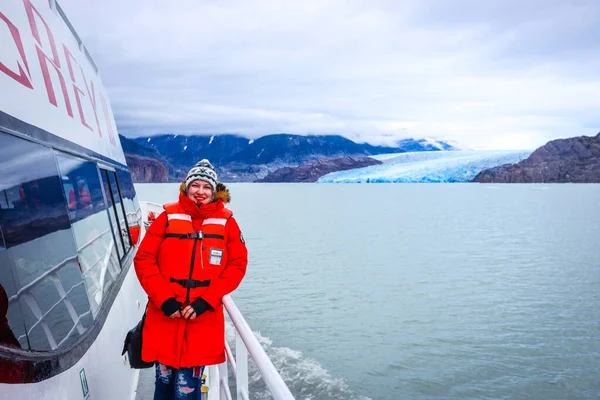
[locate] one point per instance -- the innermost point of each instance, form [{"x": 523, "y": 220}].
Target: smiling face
[{"x": 200, "y": 192}]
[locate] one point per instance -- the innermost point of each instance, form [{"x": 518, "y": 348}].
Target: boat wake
[{"x": 305, "y": 377}]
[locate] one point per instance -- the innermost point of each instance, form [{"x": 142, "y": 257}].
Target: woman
[{"x": 193, "y": 254}]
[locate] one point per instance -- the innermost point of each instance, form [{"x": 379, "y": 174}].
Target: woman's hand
[
  {"x": 193, "y": 310},
  {"x": 189, "y": 312},
  {"x": 171, "y": 308}
]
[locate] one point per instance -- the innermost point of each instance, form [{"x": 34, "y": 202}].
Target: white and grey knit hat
[{"x": 203, "y": 170}]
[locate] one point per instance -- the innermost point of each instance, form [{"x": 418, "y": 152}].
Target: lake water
[{"x": 423, "y": 291}]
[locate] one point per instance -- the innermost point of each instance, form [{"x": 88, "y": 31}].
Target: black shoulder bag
[{"x": 133, "y": 346}]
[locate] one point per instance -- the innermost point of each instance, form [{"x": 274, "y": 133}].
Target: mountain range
[
  {"x": 295, "y": 158},
  {"x": 239, "y": 159}
]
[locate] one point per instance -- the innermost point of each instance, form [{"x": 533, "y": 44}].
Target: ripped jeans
[{"x": 183, "y": 383}]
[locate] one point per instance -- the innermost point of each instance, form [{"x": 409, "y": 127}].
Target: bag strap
[
  {"x": 145, "y": 311},
  {"x": 127, "y": 337}
]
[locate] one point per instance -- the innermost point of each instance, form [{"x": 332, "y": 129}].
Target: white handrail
[
  {"x": 93, "y": 240},
  {"x": 29, "y": 286},
  {"x": 271, "y": 376}
]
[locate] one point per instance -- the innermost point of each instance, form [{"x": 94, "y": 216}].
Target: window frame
[
  {"x": 105, "y": 172},
  {"x": 43, "y": 365},
  {"x": 123, "y": 211},
  {"x": 37, "y": 316}
]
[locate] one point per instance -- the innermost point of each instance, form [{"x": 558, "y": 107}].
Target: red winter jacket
[{"x": 178, "y": 342}]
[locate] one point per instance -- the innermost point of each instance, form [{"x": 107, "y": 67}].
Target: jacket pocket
[{"x": 214, "y": 256}]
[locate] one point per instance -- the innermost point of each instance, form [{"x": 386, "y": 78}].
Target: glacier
[{"x": 428, "y": 166}]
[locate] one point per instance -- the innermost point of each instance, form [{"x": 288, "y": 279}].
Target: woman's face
[{"x": 200, "y": 192}]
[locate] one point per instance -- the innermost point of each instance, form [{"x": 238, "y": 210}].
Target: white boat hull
[{"x": 107, "y": 373}]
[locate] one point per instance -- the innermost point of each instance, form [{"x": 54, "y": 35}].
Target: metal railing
[
  {"x": 108, "y": 261},
  {"x": 26, "y": 292},
  {"x": 246, "y": 344},
  {"x": 134, "y": 217}
]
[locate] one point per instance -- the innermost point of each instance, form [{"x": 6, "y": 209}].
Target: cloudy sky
[{"x": 496, "y": 74}]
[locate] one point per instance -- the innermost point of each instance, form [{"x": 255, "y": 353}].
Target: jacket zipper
[
  {"x": 202, "y": 258},
  {"x": 187, "y": 296}
]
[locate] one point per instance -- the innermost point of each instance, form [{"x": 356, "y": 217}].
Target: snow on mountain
[
  {"x": 435, "y": 166},
  {"x": 433, "y": 143}
]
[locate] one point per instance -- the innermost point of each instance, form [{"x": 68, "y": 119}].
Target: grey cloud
[
  {"x": 484, "y": 73},
  {"x": 535, "y": 30}
]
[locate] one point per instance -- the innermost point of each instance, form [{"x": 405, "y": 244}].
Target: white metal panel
[{"x": 46, "y": 79}]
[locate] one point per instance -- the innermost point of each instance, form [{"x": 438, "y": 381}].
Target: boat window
[
  {"x": 2, "y": 242},
  {"x": 133, "y": 212},
  {"x": 43, "y": 302},
  {"x": 81, "y": 186},
  {"x": 112, "y": 213},
  {"x": 114, "y": 186},
  {"x": 91, "y": 227}
]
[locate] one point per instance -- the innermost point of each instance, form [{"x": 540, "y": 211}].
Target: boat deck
[{"x": 145, "y": 387}]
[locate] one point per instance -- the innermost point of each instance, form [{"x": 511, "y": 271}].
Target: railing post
[
  {"x": 212, "y": 373},
  {"x": 35, "y": 309},
  {"x": 241, "y": 361},
  {"x": 223, "y": 381},
  {"x": 63, "y": 295}
]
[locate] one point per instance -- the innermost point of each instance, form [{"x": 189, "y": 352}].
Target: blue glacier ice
[{"x": 428, "y": 166}]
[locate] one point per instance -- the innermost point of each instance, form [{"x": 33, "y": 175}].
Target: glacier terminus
[{"x": 428, "y": 166}]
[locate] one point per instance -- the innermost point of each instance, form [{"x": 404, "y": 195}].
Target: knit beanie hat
[{"x": 203, "y": 170}]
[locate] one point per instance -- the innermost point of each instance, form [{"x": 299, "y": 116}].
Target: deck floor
[{"x": 145, "y": 388}]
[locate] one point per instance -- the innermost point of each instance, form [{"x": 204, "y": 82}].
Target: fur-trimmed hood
[{"x": 221, "y": 193}]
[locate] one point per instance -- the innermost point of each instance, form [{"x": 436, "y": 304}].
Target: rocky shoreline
[
  {"x": 311, "y": 171},
  {"x": 573, "y": 160}
]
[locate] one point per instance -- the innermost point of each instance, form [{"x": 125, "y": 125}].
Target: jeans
[{"x": 183, "y": 383}]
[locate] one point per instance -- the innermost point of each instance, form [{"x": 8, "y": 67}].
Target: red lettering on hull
[
  {"x": 76, "y": 89},
  {"x": 21, "y": 77},
  {"x": 48, "y": 57},
  {"x": 45, "y": 60},
  {"x": 93, "y": 101}
]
